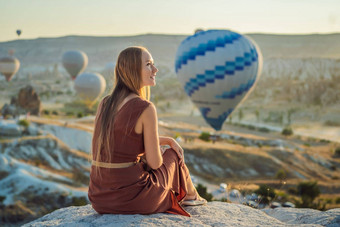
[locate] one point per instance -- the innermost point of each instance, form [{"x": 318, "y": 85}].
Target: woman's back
[{"x": 127, "y": 144}]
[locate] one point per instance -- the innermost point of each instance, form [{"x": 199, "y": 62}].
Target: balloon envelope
[
  {"x": 9, "y": 66},
  {"x": 19, "y": 32},
  {"x": 74, "y": 62},
  {"x": 217, "y": 69},
  {"x": 90, "y": 86}
]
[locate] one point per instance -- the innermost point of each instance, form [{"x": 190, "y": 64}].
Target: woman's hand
[{"x": 175, "y": 146}]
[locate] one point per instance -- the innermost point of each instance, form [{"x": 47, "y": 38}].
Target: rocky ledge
[{"x": 213, "y": 214}]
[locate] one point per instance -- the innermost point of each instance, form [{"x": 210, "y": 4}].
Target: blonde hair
[{"x": 128, "y": 80}]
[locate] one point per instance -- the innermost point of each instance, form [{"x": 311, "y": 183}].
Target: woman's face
[{"x": 148, "y": 70}]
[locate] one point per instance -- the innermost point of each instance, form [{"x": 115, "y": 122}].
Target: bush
[
  {"x": 205, "y": 136},
  {"x": 69, "y": 113},
  {"x": 177, "y": 135},
  {"x": 79, "y": 177},
  {"x": 262, "y": 129},
  {"x": 24, "y": 123},
  {"x": 337, "y": 152},
  {"x": 46, "y": 112},
  {"x": 54, "y": 112},
  {"x": 202, "y": 191},
  {"x": 293, "y": 191},
  {"x": 79, "y": 201},
  {"x": 337, "y": 200},
  {"x": 266, "y": 192},
  {"x": 287, "y": 131},
  {"x": 3, "y": 174},
  {"x": 2, "y": 198},
  {"x": 282, "y": 196},
  {"x": 308, "y": 190},
  {"x": 80, "y": 115}
]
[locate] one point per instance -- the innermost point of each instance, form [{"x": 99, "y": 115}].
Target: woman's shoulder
[{"x": 143, "y": 102}]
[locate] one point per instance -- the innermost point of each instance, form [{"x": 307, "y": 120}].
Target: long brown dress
[{"x": 133, "y": 190}]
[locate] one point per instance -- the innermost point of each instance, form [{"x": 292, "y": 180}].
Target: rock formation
[
  {"x": 29, "y": 100},
  {"x": 213, "y": 214}
]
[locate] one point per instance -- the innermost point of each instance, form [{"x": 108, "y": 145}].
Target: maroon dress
[{"x": 133, "y": 190}]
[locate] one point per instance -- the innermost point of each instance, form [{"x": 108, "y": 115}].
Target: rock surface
[{"x": 213, "y": 214}]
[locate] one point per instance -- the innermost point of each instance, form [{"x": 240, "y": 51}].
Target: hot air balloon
[
  {"x": 74, "y": 62},
  {"x": 9, "y": 66},
  {"x": 18, "y": 32},
  {"x": 217, "y": 69},
  {"x": 89, "y": 87}
]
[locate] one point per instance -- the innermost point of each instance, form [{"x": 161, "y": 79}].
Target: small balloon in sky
[
  {"x": 198, "y": 30},
  {"x": 9, "y": 66},
  {"x": 19, "y": 32},
  {"x": 89, "y": 87},
  {"x": 218, "y": 69},
  {"x": 74, "y": 62}
]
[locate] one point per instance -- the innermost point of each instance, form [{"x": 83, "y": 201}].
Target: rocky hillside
[{"x": 39, "y": 172}]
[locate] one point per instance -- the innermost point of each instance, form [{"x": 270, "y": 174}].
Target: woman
[{"x": 125, "y": 132}]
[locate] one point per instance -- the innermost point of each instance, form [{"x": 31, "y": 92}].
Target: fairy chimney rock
[{"x": 29, "y": 100}]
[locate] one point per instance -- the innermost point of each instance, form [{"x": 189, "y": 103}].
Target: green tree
[
  {"x": 308, "y": 190},
  {"x": 205, "y": 136},
  {"x": 287, "y": 131},
  {"x": 202, "y": 191},
  {"x": 24, "y": 123},
  {"x": 281, "y": 175}
]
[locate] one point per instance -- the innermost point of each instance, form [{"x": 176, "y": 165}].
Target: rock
[
  {"x": 29, "y": 100},
  {"x": 11, "y": 110},
  {"x": 306, "y": 216},
  {"x": 32, "y": 130},
  {"x": 10, "y": 129},
  {"x": 213, "y": 214}
]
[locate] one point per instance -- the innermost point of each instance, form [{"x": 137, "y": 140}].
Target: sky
[{"x": 55, "y": 18}]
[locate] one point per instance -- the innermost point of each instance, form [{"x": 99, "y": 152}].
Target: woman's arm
[
  {"x": 153, "y": 154},
  {"x": 163, "y": 140}
]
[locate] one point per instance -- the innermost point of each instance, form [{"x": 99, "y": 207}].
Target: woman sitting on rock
[{"x": 125, "y": 133}]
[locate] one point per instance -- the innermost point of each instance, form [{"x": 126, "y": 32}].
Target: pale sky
[{"x": 55, "y": 18}]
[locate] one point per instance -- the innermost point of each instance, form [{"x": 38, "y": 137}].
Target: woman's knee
[{"x": 170, "y": 154}]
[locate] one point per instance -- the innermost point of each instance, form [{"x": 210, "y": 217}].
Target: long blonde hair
[{"x": 128, "y": 80}]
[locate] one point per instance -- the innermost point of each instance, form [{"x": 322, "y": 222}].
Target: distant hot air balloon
[
  {"x": 74, "y": 62},
  {"x": 9, "y": 66},
  {"x": 19, "y": 32},
  {"x": 217, "y": 69},
  {"x": 89, "y": 87}
]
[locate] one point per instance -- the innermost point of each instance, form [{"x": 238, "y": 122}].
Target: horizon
[
  {"x": 39, "y": 18},
  {"x": 165, "y": 34}
]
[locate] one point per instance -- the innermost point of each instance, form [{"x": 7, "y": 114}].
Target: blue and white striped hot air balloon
[{"x": 217, "y": 69}]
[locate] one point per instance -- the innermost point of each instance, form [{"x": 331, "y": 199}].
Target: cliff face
[{"x": 213, "y": 214}]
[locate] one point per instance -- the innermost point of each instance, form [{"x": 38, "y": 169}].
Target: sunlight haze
[{"x": 41, "y": 18}]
